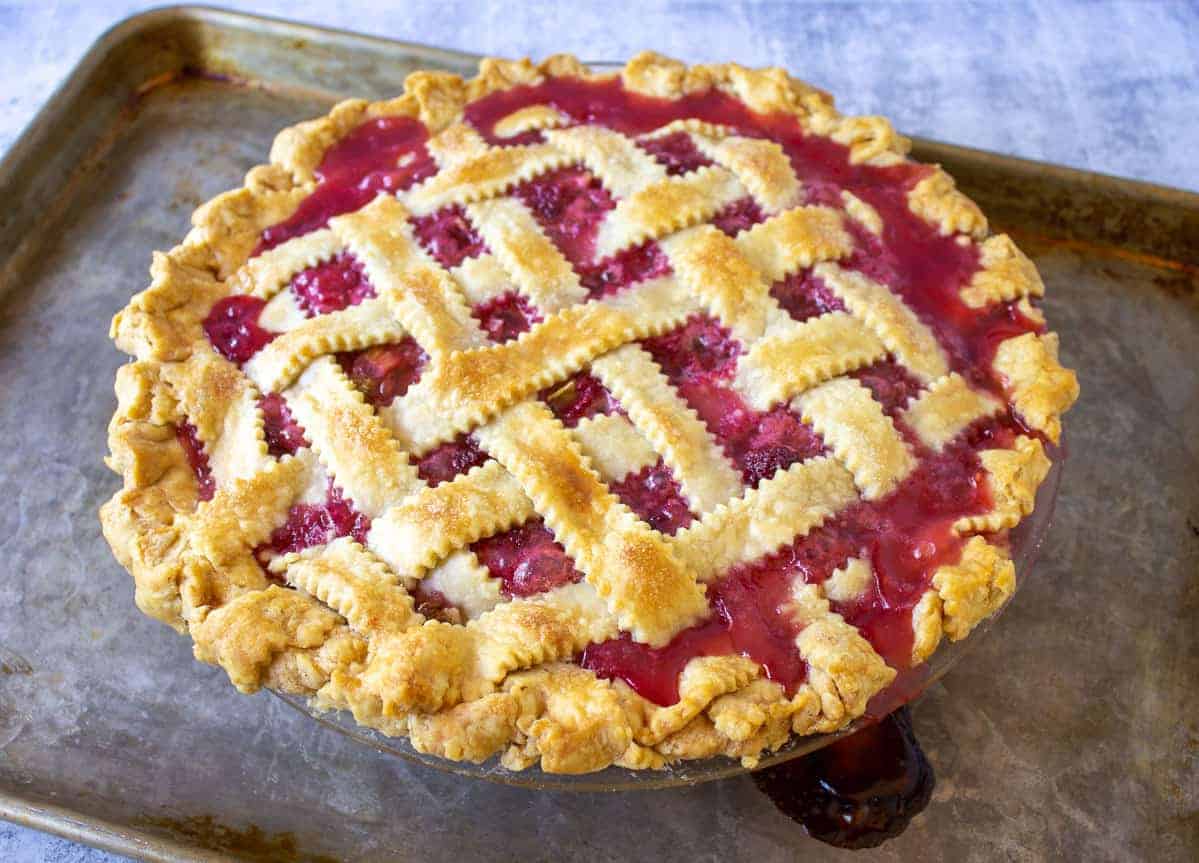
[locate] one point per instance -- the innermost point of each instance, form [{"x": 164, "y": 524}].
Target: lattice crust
[{"x": 346, "y": 630}]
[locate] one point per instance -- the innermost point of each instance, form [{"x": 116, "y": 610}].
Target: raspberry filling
[
  {"x": 580, "y": 397},
  {"x": 331, "y": 286},
  {"x": 316, "y": 524},
  {"x": 569, "y": 204},
  {"x": 890, "y": 384},
  {"x": 386, "y": 372},
  {"x": 449, "y": 236},
  {"x": 433, "y": 604},
  {"x": 232, "y": 327},
  {"x": 386, "y": 154},
  {"x": 449, "y": 460},
  {"x": 698, "y": 359},
  {"x": 741, "y": 215},
  {"x": 677, "y": 152},
  {"x": 804, "y": 295},
  {"x": 283, "y": 434},
  {"x": 905, "y": 536},
  {"x": 637, "y": 264},
  {"x": 527, "y": 560},
  {"x": 654, "y": 494},
  {"x": 506, "y": 317},
  {"x": 197, "y": 459}
]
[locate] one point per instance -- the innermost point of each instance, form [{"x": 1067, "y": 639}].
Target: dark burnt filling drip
[{"x": 859, "y": 791}]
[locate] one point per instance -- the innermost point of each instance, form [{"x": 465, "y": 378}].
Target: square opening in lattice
[
  {"x": 331, "y": 286},
  {"x": 676, "y": 152},
  {"x": 527, "y": 560},
  {"x": 607, "y": 277},
  {"x": 579, "y": 397},
  {"x": 450, "y": 459},
  {"x": 654, "y": 494},
  {"x": 741, "y": 215},
  {"x": 316, "y": 523},
  {"x": 804, "y": 295},
  {"x": 569, "y": 204},
  {"x": 505, "y": 317},
  {"x": 384, "y": 373},
  {"x": 449, "y": 236}
]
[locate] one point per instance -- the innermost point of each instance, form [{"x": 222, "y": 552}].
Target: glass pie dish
[{"x": 1026, "y": 541}]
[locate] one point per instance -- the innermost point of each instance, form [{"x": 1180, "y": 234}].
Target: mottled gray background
[{"x": 1108, "y": 86}]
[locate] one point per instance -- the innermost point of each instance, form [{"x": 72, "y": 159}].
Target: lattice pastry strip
[
  {"x": 624, "y": 168},
  {"x": 653, "y": 599},
  {"x": 465, "y": 388},
  {"x": 695, "y": 458},
  {"x": 614, "y": 446},
  {"x": 780, "y": 509},
  {"x": 465, "y": 583},
  {"x": 536, "y": 266},
  {"x": 359, "y": 452},
  {"x": 946, "y": 409},
  {"x": 862, "y": 437},
  {"x": 493, "y": 172},
  {"x": 761, "y": 166},
  {"x": 425, "y": 527},
  {"x": 802, "y": 355},
  {"x": 365, "y": 325},
  {"x": 422, "y": 295},
  {"x": 266, "y": 274},
  {"x": 795, "y": 240},
  {"x": 530, "y": 118},
  {"x": 909, "y": 340}
]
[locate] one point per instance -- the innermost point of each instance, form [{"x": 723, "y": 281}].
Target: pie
[{"x": 583, "y": 419}]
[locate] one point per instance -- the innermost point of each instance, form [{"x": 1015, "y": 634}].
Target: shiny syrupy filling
[
  {"x": 283, "y": 434},
  {"x": 316, "y": 524},
  {"x": 905, "y": 536},
  {"x": 527, "y": 560},
  {"x": 506, "y": 317},
  {"x": 699, "y": 359},
  {"x": 332, "y": 286},
  {"x": 449, "y": 236},
  {"x": 444, "y": 462},
  {"x": 197, "y": 459},
  {"x": 385, "y": 373},
  {"x": 232, "y": 328}
]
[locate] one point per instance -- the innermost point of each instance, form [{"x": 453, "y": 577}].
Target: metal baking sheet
[{"x": 1069, "y": 731}]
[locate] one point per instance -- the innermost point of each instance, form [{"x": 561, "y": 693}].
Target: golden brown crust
[{"x": 345, "y": 632}]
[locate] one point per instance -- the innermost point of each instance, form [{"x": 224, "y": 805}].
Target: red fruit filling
[
  {"x": 890, "y": 383},
  {"x": 741, "y": 215},
  {"x": 384, "y": 373},
  {"x": 316, "y": 524},
  {"x": 804, "y": 295},
  {"x": 386, "y": 154},
  {"x": 331, "y": 286},
  {"x": 677, "y": 152},
  {"x": 699, "y": 349},
  {"x": 232, "y": 327},
  {"x": 654, "y": 494},
  {"x": 506, "y": 317},
  {"x": 449, "y": 236},
  {"x": 527, "y": 560},
  {"x": 580, "y": 397},
  {"x": 185, "y": 433},
  {"x": 283, "y": 434},
  {"x": 449, "y": 460},
  {"x": 637, "y": 264},
  {"x": 569, "y": 204}
]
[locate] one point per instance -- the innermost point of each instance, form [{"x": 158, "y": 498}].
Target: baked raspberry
[
  {"x": 385, "y": 373},
  {"x": 449, "y": 236},
  {"x": 654, "y": 494},
  {"x": 741, "y": 215},
  {"x": 637, "y": 264},
  {"x": 332, "y": 286},
  {"x": 804, "y": 295},
  {"x": 232, "y": 327},
  {"x": 580, "y": 397},
  {"x": 701, "y": 348},
  {"x": 316, "y": 524},
  {"x": 676, "y": 151},
  {"x": 449, "y": 460},
  {"x": 569, "y": 204},
  {"x": 527, "y": 560},
  {"x": 506, "y": 317},
  {"x": 283, "y": 434}
]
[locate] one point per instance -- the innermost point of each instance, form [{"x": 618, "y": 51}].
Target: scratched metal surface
[{"x": 1070, "y": 730}]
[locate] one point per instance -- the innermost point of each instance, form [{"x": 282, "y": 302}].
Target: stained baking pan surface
[{"x": 1069, "y": 731}]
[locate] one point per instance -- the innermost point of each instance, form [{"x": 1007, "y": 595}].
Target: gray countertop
[{"x": 1107, "y": 86}]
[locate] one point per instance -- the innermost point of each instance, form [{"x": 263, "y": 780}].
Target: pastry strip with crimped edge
[{"x": 346, "y": 631}]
